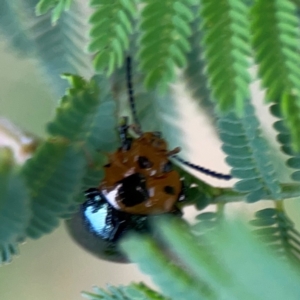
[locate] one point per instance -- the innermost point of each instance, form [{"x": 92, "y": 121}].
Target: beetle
[{"x": 139, "y": 184}]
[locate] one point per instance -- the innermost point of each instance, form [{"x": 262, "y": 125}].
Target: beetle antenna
[
  {"x": 138, "y": 127},
  {"x": 130, "y": 92},
  {"x": 203, "y": 170}
]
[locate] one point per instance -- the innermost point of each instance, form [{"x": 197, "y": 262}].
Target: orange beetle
[
  {"x": 140, "y": 180},
  {"x": 139, "y": 183}
]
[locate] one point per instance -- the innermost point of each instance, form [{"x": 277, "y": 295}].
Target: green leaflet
[
  {"x": 57, "y": 6},
  {"x": 206, "y": 222},
  {"x": 165, "y": 28},
  {"x": 111, "y": 28},
  {"x": 103, "y": 134},
  {"x": 71, "y": 121},
  {"x": 291, "y": 112},
  {"x": 275, "y": 41},
  {"x": 276, "y": 229},
  {"x": 57, "y": 172},
  {"x": 226, "y": 30},
  {"x": 14, "y": 207},
  {"x": 285, "y": 139},
  {"x": 248, "y": 155}
]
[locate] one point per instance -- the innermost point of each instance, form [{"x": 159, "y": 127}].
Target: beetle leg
[{"x": 119, "y": 222}]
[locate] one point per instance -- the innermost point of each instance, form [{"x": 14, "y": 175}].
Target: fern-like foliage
[
  {"x": 14, "y": 207},
  {"x": 285, "y": 139},
  {"x": 111, "y": 28},
  {"x": 54, "y": 186},
  {"x": 57, "y": 49},
  {"x": 57, "y": 6},
  {"x": 248, "y": 155},
  {"x": 278, "y": 231},
  {"x": 165, "y": 28},
  {"x": 221, "y": 262},
  {"x": 226, "y": 30},
  {"x": 275, "y": 40},
  {"x": 134, "y": 291}
]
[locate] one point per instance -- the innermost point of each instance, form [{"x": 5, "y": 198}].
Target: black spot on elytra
[{"x": 169, "y": 190}]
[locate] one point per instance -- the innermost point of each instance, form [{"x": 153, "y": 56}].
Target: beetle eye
[{"x": 144, "y": 162}]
